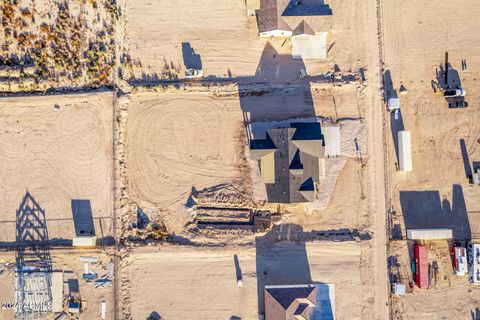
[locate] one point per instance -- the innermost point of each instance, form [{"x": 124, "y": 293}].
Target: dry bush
[
  {"x": 26, "y": 13},
  {"x": 44, "y": 28}
]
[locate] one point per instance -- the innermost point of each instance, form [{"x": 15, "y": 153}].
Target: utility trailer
[{"x": 404, "y": 151}]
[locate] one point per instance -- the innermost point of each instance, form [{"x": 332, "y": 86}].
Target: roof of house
[
  {"x": 285, "y": 296},
  {"x": 303, "y": 28},
  {"x": 288, "y": 14},
  {"x": 293, "y": 301},
  {"x": 297, "y": 151}
]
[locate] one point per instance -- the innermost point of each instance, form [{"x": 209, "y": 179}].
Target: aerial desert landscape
[{"x": 240, "y": 160}]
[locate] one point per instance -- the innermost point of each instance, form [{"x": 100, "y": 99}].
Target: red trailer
[{"x": 421, "y": 263}]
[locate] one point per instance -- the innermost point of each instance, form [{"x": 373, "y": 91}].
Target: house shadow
[
  {"x": 32, "y": 235},
  {"x": 280, "y": 262},
  {"x": 191, "y": 59},
  {"x": 269, "y": 102},
  {"x": 425, "y": 210}
]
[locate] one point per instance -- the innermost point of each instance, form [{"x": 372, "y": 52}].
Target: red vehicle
[{"x": 421, "y": 264}]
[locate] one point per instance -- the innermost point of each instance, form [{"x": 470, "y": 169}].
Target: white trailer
[
  {"x": 404, "y": 151},
  {"x": 429, "y": 234},
  {"x": 473, "y": 256}
]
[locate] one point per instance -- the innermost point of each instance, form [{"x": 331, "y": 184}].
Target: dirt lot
[
  {"x": 177, "y": 142},
  {"x": 159, "y": 33},
  {"x": 433, "y": 303},
  {"x": 170, "y": 149},
  {"x": 202, "y": 283},
  {"x": 58, "y": 149},
  {"x": 72, "y": 268},
  {"x": 444, "y": 141}
]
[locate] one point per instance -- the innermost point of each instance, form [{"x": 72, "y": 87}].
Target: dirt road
[{"x": 376, "y": 170}]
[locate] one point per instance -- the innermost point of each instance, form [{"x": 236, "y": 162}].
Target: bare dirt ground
[
  {"x": 452, "y": 297},
  {"x": 174, "y": 142},
  {"x": 177, "y": 142},
  {"x": 226, "y": 40},
  {"x": 444, "y": 141},
  {"x": 58, "y": 149},
  {"x": 202, "y": 283},
  {"x": 72, "y": 268}
]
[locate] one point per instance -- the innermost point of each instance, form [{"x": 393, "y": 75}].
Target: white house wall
[{"x": 276, "y": 33}]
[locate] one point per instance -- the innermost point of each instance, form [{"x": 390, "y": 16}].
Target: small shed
[{"x": 429, "y": 234}]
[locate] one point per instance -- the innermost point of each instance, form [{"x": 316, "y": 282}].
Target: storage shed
[
  {"x": 404, "y": 151},
  {"x": 429, "y": 234}
]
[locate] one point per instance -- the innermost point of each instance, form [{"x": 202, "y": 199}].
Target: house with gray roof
[
  {"x": 291, "y": 161},
  {"x": 295, "y": 302}
]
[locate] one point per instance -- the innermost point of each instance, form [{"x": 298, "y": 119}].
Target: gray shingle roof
[
  {"x": 286, "y": 296},
  {"x": 285, "y": 15},
  {"x": 297, "y": 151}
]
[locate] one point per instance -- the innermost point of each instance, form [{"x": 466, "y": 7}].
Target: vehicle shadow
[
  {"x": 396, "y": 125},
  {"x": 191, "y": 59}
]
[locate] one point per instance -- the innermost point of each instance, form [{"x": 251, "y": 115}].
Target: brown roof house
[
  {"x": 291, "y": 161},
  {"x": 305, "y": 21},
  {"x": 294, "y": 302}
]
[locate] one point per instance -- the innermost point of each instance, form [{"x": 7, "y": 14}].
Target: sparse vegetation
[{"x": 61, "y": 47}]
